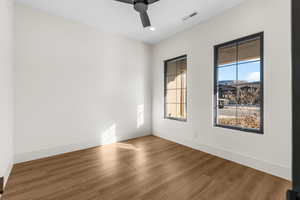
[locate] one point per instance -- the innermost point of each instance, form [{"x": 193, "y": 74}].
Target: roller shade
[
  {"x": 227, "y": 54},
  {"x": 249, "y": 50},
  {"x": 238, "y": 52}
]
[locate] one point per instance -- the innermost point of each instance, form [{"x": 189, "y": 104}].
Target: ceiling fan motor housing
[{"x": 140, "y": 6}]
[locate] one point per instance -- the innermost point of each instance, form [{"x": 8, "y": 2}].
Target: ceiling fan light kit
[{"x": 141, "y": 6}]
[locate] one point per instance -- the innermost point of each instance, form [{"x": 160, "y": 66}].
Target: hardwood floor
[{"x": 147, "y": 168}]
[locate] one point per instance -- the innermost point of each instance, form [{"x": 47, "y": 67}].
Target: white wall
[
  {"x": 76, "y": 87},
  {"x": 270, "y": 152},
  {"x": 6, "y": 87}
]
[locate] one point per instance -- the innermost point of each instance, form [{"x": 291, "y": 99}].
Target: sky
[{"x": 249, "y": 72}]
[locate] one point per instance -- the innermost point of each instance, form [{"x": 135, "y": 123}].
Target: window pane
[
  {"x": 227, "y": 55},
  {"x": 249, "y": 95},
  {"x": 171, "y": 110},
  {"x": 181, "y": 66},
  {"x": 226, "y": 108},
  {"x": 181, "y": 81},
  {"x": 184, "y": 80},
  {"x": 171, "y": 82},
  {"x": 171, "y": 96},
  {"x": 181, "y": 96},
  {"x": 171, "y": 68},
  {"x": 249, "y": 50},
  {"x": 249, "y": 72},
  {"x": 181, "y": 111},
  {"x": 248, "y": 116}
]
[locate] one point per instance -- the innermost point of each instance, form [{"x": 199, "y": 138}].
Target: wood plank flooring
[{"x": 147, "y": 168}]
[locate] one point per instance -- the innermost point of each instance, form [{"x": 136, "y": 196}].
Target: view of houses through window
[
  {"x": 175, "y": 88},
  {"x": 238, "y": 84}
]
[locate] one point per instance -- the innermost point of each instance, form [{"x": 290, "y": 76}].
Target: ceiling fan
[{"x": 141, "y": 6}]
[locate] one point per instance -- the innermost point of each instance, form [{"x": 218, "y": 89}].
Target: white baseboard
[
  {"x": 267, "y": 167},
  {"x": 24, "y": 157}
]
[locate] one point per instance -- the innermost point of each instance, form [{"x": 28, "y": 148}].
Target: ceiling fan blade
[
  {"x": 152, "y": 1},
  {"x": 126, "y": 1},
  {"x": 145, "y": 19}
]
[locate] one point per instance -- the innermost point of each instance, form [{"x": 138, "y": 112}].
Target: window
[
  {"x": 239, "y": 84},
  {"x": 175, "y": 88}
]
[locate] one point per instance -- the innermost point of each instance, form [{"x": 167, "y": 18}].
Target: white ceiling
[{"x": 116, "y": 17}]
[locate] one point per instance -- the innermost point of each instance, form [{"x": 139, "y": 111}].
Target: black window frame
[
  {"x": 165, "y": 89},
  {"x": 236, "y": 41}
]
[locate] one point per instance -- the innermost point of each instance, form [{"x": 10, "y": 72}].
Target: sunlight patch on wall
[
  {"x": 140, "y": 115},
  {"x": 109, "y": 136}
]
